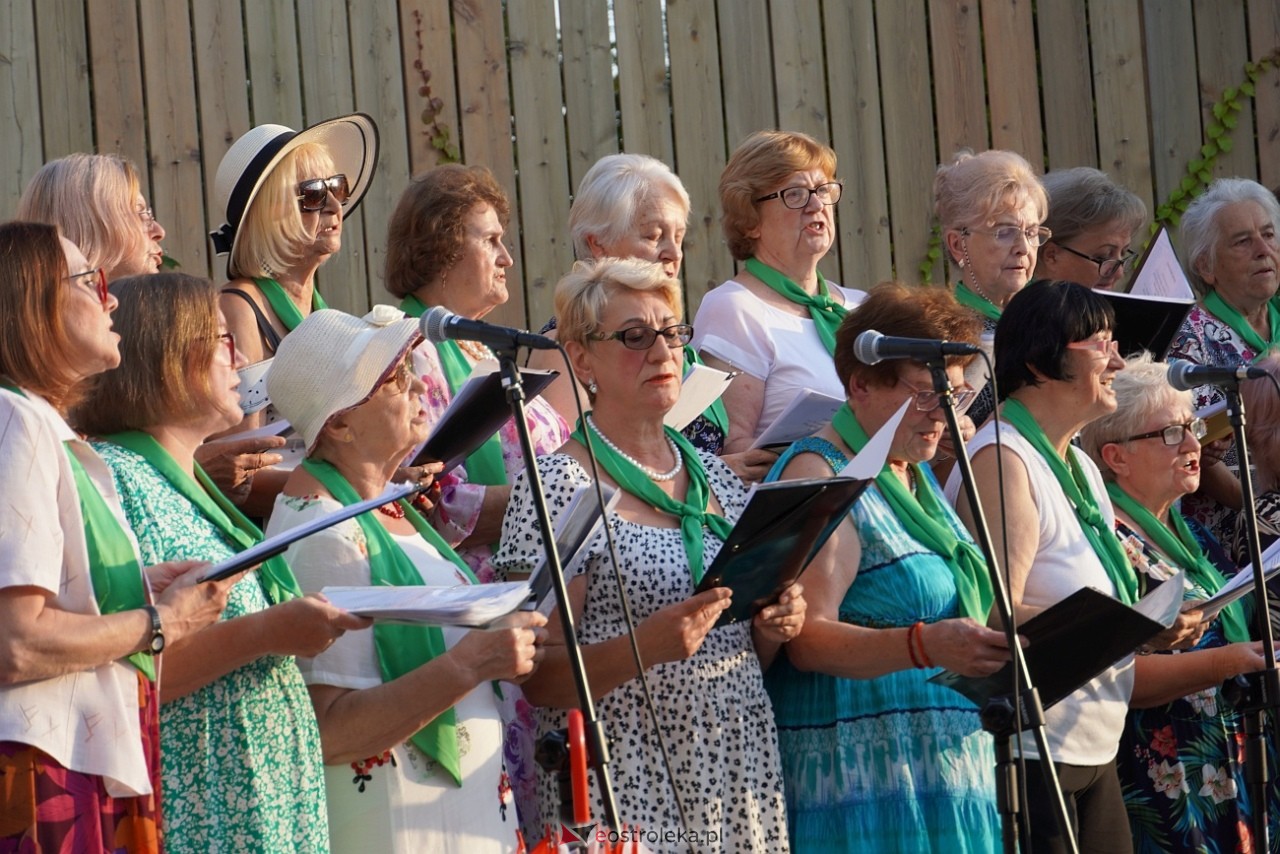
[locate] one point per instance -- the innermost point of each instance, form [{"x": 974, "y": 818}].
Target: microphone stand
[
  {"x": 596, "y": 744},
  {"x": 1003, "y": 716},
  {"x": 1254, "y": 694}
]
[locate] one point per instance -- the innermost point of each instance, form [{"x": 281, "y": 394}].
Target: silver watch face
[{"x": 157, "y": 644}]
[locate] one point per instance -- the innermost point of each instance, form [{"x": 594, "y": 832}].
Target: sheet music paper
[
  {"x": 1161, "y": 274},
  {"x": 807, "y": 413},
  {"x": 868, "y": 463},
  {"x": 702, "y": 386}
]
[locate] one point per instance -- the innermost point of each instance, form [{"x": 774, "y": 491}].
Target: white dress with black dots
[{"x": 715, "y": 715}]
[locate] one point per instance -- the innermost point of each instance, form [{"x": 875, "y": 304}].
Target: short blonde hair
[
  {"x": 583, "y": 294},
  {"x": 1141, "y": 388},
  {"x": 168, "y": 326},
  {"x": 972, "y": 189},
  {"x": 36, "y": 352},
  {"x": 760, "y": 163},
  {"x": 91, "y": 199},
  {"x": 272, "y": 234},
  {"x": 614, "y": 189}
]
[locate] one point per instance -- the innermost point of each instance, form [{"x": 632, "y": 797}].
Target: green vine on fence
[
  {"x": 1199, "y": 172},
  {"x": 437, "y": 132}
]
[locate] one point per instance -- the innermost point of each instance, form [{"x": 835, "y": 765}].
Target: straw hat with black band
[{"x": 351, "y": 141}]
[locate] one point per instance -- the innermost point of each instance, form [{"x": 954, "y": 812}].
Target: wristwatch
[{"x": 155, "y": 645}]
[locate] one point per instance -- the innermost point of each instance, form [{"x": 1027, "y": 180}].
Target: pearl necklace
[{"x": 650, "y": 473}]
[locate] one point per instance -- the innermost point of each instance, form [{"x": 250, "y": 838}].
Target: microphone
[
  {"x": 871, "y": 348},
  {"x": 440, "y": 324},
  {"x": 1185, "y": 376}
]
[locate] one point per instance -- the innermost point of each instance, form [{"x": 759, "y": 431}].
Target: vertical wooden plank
[
  {"x": 177, "y": 187},
  {"x": 379, "y": 90},
  {"x": 426, "y": 43},
  {"x": 1124, "y": 149},
  {"x": 219, "y": 35},
  {"x": 959, "y": 95},
  {"x": 1013, "y": 91},
  {"x": 271, "y": 33},
  {"x": 1264, "y": 40},
  {"x": 484, "y": 104},
  {"x": 115, "y": 66},
  {"x": 540, "y": 151},
  {"x": 1221, "y": 46},
  {"x": 746, "y": 65},
  {"x": 1066, "y": 85},
  {"x": 1171, "y": 86},
  {"x": 327, "y": 92},
  {"x": 643, "y": 89},
  {"x": 19, "y": 99},
  {"x": 65, "y": 117},
  {"x": 909, "y": 138},
  {"x": 590, "y": 102},
  {"x": 853, "y": 78},
  {"x": 699, "y": 141}
]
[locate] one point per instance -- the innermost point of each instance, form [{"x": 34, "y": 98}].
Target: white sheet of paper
[
  {"x": 253, "y": 387},
  {"x": 275, "y": 428},
  {"x": 807, "y": 413},
  {"x": 702, "y": 387},
  {"x": 867, "y": 464},
  {"x": 464, "y": 605},
  {"x": 1239, "y": 585},
  {"x": 1163, "y": 603},
  {"x": 1161, "y": 274}
]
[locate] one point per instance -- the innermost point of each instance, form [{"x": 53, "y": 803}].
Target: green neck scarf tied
[
  {"x": 283, "y": 306},
  {"x": 1229, "y": 315},
  {"x": 402, "y": 648},
  {"x": 825, "y": 311},
  {"x": 1177, "y": 543},
  {"x": 966, "y": 297},
  {"x": 692, "y": 512},
  {"x": 923, "y": 516},
  {"x": 1075, "y": 486}
]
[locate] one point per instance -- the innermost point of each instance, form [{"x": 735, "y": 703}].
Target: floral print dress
[{"x": 1181, "y": 765}]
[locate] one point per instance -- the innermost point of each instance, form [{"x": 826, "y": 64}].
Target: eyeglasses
[
  {"x": 798, "y": 197},
  {"x": 146, "y": 215},
  {"x": 1172, "y": 435},
  {"x": 313, "y": 194},
  {"x": 1107, "y": 267},
  {"x": 402, "y": 378},
  {"x": 1007, "y": 235},
  {"x": 231, "y": 344},
  {"x": 927, "y": 400},
  {"x": 642, "y": 337},
  {"x": 1106, "y": 346},
  {"x": 100, "y": 283}
]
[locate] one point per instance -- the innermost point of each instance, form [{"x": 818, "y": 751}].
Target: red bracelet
[
  {"x": 911, "y": 646},
  {"x": 924, "y": 656}
]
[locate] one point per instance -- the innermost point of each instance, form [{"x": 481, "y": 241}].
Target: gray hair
[
  {"x": 614, "y": 189},
  {"x": 1141, "y": 388},
  {"x": 1083, "y": 198},
  {"x": 1200, "y": 229}
]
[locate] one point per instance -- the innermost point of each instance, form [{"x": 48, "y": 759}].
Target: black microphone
[
  {"x": 871, "y": 348},
  {"x": 440, "y": 324},
  {"x": 1185, "y": 376}
]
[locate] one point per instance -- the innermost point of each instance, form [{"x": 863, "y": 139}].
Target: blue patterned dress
[{"x": 894, "y": 763}]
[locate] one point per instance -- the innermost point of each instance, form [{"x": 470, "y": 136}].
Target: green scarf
[
  {"x": 1177, "y": 544},
  {"x": 715, "y": 413},
  {"x": 826, "y": 312},
  {"x": 274, "y": 575},
  {"x": 1228, "y": 314},
  {"x": 923, "y": 516},
  {"x": 283, "y": 306},
  {"x": 113, "y": 564},
  {"x": 692, "y": 512},
  {"x": 1072, "y": 480},
  {"x": 977, "y": 302},
  {"x": 485, "y": 465},
  {"x": 402, "y": 648}
]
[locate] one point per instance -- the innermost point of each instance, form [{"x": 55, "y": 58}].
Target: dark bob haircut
[{"x": 1038, "y": 324}]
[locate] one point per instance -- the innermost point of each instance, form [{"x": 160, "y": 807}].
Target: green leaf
[
  {"x": 1215, "y": 131},
  {"x": 1174, "y": 220},
  {"x": 1230, "y": 94},
  {"x": 1230, "y": 121},
  {"x": 1195, "y": 165},
  {"x": 1219, "y": 110},
  {"x": 1188, "y": 184},
  {"x": 1209, "y": 150},
  {"x": 1247, "y": 88},
  {"x": 1204, "y": 176},
  {"x": 1225, "y": 144},
  {"x": 1181, "y": 205}
]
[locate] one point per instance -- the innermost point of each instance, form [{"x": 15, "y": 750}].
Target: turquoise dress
[
  {"x": 895, "y": 763},
  {"x": 241, "y": 763}
]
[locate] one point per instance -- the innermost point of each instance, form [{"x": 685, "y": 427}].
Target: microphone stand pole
[
  {"x": 1003, "y": 716},
  {"x": 1258, "y": 692},
  {"x": 596, "y": 744}
]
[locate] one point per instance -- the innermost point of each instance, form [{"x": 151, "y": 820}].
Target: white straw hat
[
  {"x": 352, "y": 143},
  {"x": 333, "y": 361}
]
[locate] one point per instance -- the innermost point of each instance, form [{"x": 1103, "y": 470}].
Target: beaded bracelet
[{"x": 911, "y": 646}]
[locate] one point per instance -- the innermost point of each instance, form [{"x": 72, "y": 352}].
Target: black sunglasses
[{"x": 313, "y": 194}]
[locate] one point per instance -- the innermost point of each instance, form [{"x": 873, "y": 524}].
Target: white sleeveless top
[{"x": 1084, "y": 727}]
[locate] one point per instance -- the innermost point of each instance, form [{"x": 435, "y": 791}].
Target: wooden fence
[{"x": 539, "y": 89}]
